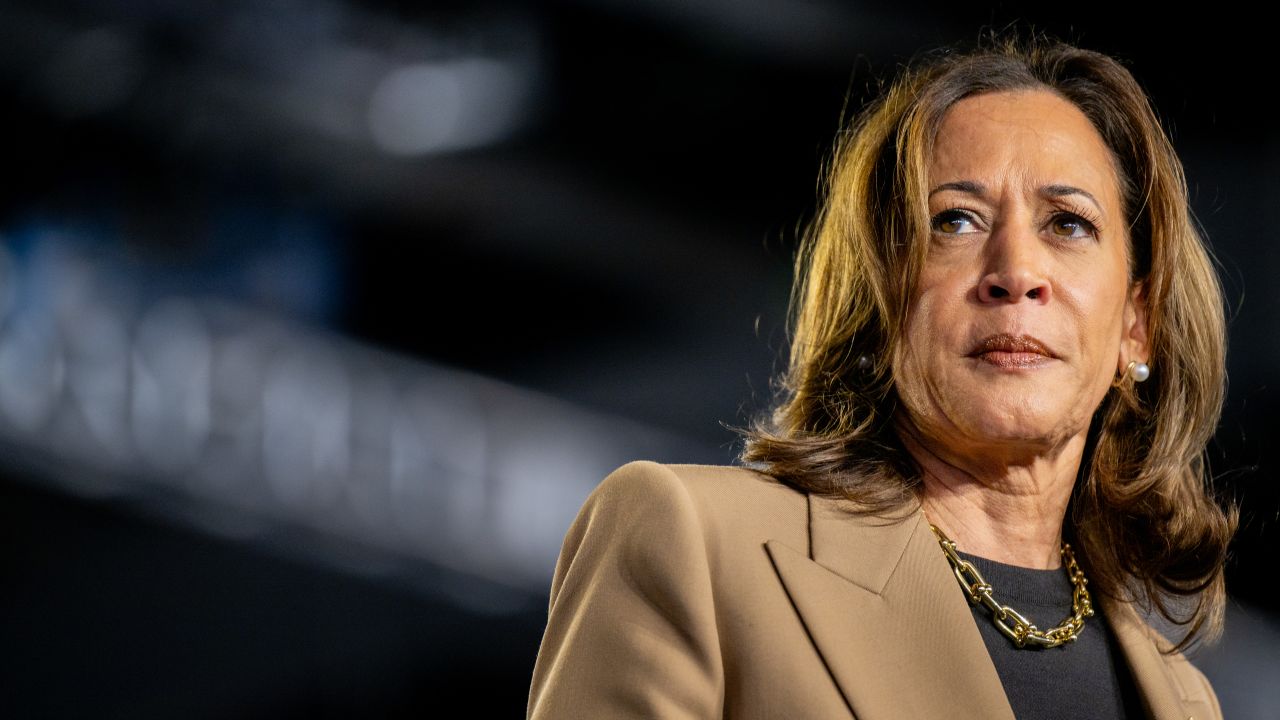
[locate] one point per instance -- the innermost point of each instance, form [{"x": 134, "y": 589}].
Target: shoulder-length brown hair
[{"x": 1142, "y": 510}]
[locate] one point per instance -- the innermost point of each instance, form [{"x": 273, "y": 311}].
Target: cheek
[
  {"x": 939, "y": 302},
  {"x": 1102, "y": 308},
  {"x": 927, "y": 339},
  {"x": 920, "y": 321},
  {"x": 1100, "y": 319}
]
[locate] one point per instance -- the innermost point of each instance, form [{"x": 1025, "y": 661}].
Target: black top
[{"x": 1087, "y": 678}]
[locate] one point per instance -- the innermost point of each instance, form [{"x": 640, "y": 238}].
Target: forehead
[{"x": 1034, "y": 137}]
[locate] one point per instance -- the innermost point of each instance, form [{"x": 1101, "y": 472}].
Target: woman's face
[{"x": 1023, "y": 314}]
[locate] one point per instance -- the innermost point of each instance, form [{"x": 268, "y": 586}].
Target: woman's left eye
[{"x": 1070, "y": 225}]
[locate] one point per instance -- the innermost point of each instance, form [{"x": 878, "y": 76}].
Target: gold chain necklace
[{"x": 1022, "y": 632}]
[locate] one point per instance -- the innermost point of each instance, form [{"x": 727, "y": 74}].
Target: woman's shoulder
[
  {"x": 719, "y": 498},
  {"x": 704, "y": 485}
]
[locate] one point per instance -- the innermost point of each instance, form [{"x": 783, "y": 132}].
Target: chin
[
  {"x": 1040, "y": 429},
  {"x": 1012, "y": 410}
]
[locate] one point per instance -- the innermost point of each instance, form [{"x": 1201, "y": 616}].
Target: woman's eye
[
  {"x": 1069, "y": 225},
  {"x": 953, "y": 222}
]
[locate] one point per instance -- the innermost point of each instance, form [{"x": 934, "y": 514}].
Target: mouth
[{"x": 1012, "y": 351}]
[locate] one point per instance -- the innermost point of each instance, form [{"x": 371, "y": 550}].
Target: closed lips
[{"x": 1016, "y": 345}]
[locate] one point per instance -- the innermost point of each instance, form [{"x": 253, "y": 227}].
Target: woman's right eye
[{"x": 953, "y": 222}]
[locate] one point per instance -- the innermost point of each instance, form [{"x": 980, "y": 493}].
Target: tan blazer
[{"x": 707, "y": 592}]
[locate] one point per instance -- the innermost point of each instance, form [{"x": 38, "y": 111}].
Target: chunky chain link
[{"x": 1012, "y": 623}]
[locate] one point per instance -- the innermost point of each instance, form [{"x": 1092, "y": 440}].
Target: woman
[{"x": 1006, "y": 361}]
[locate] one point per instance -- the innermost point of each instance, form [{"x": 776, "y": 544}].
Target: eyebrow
[
  {"x": 965, "y": 186},
  {"x": 1064, "y": 190},
  {"x": 970, "y": 187}
]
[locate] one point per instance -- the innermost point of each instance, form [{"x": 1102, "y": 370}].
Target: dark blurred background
[{"x": 319, "y": 319}]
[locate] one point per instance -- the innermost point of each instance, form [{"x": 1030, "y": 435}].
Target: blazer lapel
[
  {"x": 881, "y": 605},
  {"x": 1156, "y": 684}
]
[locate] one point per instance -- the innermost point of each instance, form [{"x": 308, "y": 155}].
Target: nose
[{"x": 1014, "y": 268}]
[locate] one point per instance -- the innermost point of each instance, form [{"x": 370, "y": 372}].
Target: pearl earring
[{"x": 1139, "y": 370}]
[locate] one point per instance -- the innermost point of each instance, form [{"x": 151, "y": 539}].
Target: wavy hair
[{"x": 1142, "y": 510}]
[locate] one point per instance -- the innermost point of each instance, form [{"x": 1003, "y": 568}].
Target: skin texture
[{"x": 1029, "y": 246}]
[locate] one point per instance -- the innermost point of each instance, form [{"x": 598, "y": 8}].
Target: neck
[{"x": 1010, "y": 510}]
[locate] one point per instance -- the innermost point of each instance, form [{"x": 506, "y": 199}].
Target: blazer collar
[
  {"x": 884, "y": 611},
  {"x": 1163, "y": 697},
  {"x": 881, "y": 605}
]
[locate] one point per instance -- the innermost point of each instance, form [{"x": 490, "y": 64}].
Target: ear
[{"x": 1133, "y": 339}]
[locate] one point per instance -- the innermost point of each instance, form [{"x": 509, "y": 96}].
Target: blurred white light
[
  {"x": 425, "y": 108},
  {"x": 368, "y": 493},
  {"x": 239, "y": 369},
  {"x": 306, "y": 431},
  {"x": 31, "y": 373},
  {"x": 265, "y": 419},
  {"x": 8, "y": 281},
  {"x": 438, "y": 449},
  {"x": 238, "y": 375},
  {"x": 98, "y": 375},
  {"x": 549, "y": 461},
  {"x": 171, "y": 384}
]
